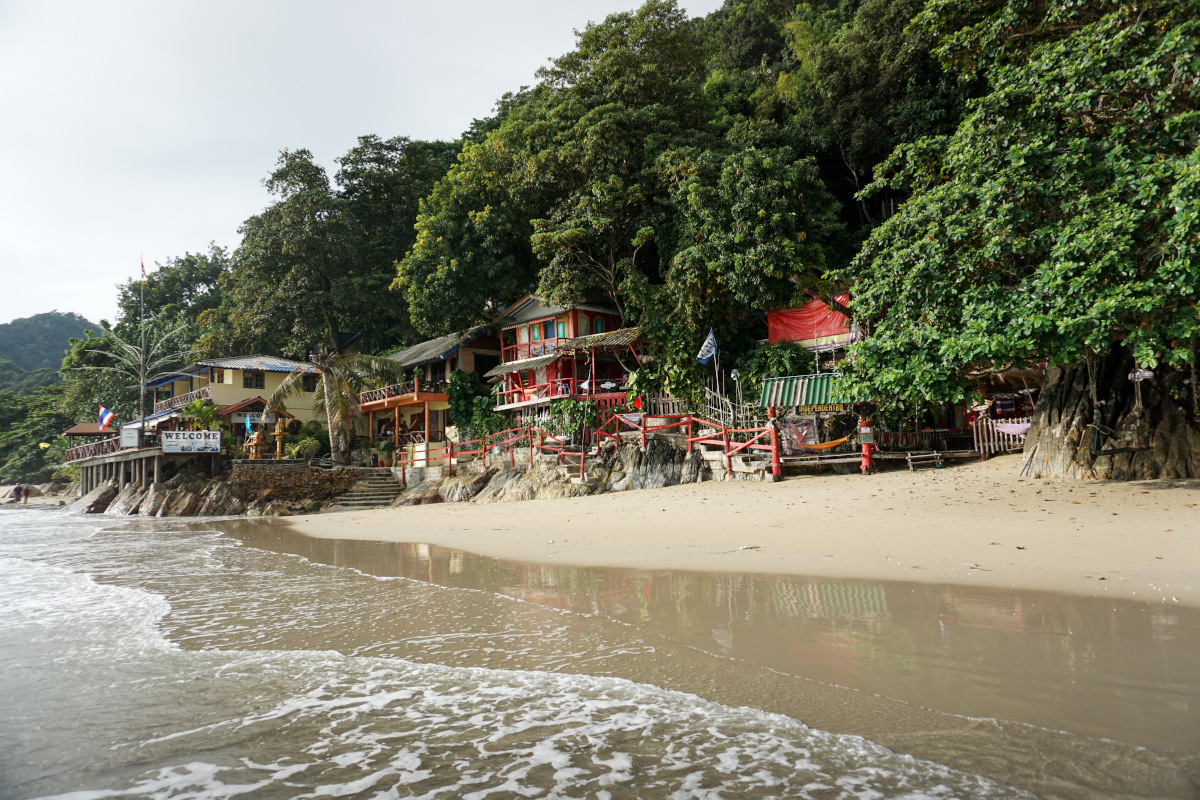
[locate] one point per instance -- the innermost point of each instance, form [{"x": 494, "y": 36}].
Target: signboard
[
  {"x": 865, "y": 435},
  {"x": 190, "y": 441},
  {"x": 129, "y": 437},
  {"x": 255, "y": 417},
  {"x": 826, "y": 408}
]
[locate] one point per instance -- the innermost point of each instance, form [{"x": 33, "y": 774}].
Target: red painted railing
[{"x": 540, "y": 441}]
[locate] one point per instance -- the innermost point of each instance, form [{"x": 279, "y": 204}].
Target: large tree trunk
[{"x": 1061, "y": 441}]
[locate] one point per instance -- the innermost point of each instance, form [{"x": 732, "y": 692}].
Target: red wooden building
[{"x": 553, "y": 352}]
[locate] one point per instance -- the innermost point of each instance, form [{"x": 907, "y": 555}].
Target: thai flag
[
  {"x": 106, "y": 417},
  {"x": 708, "y": 349}
]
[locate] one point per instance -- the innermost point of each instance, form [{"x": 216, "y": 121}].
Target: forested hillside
[
  {"x": 997, "y": 183},
  {"x": 41, "y": 341}
]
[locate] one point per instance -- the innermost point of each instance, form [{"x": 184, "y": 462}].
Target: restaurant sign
[
  {"x": 191, "y": 441},
  {"x": 826, "y": 408},
  {"x": 255, "y": 417}
]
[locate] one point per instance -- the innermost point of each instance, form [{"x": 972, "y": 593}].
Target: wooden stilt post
[
  {"x": 158, "y": 469},
  {"x": 426, "y": 433}
]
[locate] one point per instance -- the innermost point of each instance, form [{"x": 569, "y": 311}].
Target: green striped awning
[{"x": 805, "y": 392}]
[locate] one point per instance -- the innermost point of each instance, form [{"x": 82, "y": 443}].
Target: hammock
[{"x": 824, "y": 445}]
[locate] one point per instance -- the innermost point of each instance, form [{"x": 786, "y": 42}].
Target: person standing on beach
[
  {"x": 18, "y": 492},
  {"x": 25, "y": 496}
]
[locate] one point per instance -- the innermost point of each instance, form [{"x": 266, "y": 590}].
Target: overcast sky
[{"x": 134, "y": 130}]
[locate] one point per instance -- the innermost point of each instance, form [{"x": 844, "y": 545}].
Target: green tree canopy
[
  {"x": 181, "y": 289},
  {"x": 1060, "y": 218}
]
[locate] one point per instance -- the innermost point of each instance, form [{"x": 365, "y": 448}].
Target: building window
[
  {"x": 581, "y": 326},
  {"x": 252, "y": 379},
  {"x": 599, "y": 325},
  {"x": 562, "y": 330},
  {"x": 218, "y": 376},
  {"x": 549, "y": 329},
  {"x": 537, "y": 333},
  {"x": 308, "y": 383}
]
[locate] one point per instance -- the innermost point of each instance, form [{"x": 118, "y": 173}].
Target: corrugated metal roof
[
  {"x": 801, "y": 391},
  {"x": 516, "y": 366},
  {"x": 531, "y": 307},
  {"x": 163, "y": 381},
  {"x": 618, "y": 338},
  {"x": 436, "y": 349},
  {"x": 157, "y": 417},
  {"x": 259, "y": 362}
]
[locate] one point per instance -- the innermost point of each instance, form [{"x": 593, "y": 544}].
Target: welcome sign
[{"x": 191, "y": 441}]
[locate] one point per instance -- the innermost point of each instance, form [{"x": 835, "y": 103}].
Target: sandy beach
[{"x": 972, "y": 524}]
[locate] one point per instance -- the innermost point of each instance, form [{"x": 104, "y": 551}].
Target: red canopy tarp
[{"x": 814, "y": 325}]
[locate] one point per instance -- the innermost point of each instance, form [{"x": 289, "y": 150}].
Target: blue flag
[
  {"x": 708, "y": 349},
  {"x": 248, "y": 431}
]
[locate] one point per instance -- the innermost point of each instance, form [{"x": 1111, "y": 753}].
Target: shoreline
[{"x": 972, "y": 524}]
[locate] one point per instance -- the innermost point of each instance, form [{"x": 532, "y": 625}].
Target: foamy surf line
[{"x": 383, "y": 727}]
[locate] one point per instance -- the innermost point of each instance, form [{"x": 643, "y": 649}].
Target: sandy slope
[{"x": 972, "y": 524}]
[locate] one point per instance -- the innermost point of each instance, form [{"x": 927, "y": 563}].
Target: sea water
[{"x": 146, "y": 660}]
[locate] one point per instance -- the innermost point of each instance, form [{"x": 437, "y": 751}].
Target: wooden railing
[
  {"x": 401, "y": 389},
  {"x": 519, "y": 352},
  {"x": 93, "y": 449},
  {"x": 203, "y": 393},
  {"x": 563, "y": 388}
]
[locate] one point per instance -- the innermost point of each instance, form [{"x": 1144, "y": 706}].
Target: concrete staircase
[{"x": 380, "y": 488}]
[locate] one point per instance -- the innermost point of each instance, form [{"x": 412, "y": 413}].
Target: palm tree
[
  {"x": 146, "y": 361},
  {"x": 341, "y": 376}
]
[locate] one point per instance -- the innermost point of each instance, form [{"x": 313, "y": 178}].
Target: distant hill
[
  {"x": 18, "y": 381},
  {"x": 41, "y": 341}
]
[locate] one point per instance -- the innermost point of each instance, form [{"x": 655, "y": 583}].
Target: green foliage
[
  {"x": 85, "y": 387},
  {"x": 319, "y": 260},
  {"x": 773, "y": 361},
  {"x": 133, "y": 359},
  {"x": 464, "y": 388},
  {"x": 340, "y": 379},
  {"x": 1060, "y": 218},
  {"x": 472, "y": 407},
  {"x": 472, "y": 239},
  {"x": 40, "y": 341},
  {"x": 202, "y": 414},
  {"x": 26, "y": 423},
  {"x": 18, "y": 381},
  {"x": 569, "y": 417},
  {"x": 304, "y": 449},
  {"x": 180, "y": 289}
]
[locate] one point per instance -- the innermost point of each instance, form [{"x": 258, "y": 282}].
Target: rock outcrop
[
  {"x": 126, "y": 502},
  {"x": 97, "y": 500}
]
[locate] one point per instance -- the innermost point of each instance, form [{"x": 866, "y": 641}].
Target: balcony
[
  {"x": 401, "y": 390},
  {"x": 519, "y": 352},
  {"x": 182, "y": 400},
  {"x": 559, "y": 389}
]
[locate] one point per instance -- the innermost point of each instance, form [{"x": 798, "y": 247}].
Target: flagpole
[{"x": 142, "y": 356}]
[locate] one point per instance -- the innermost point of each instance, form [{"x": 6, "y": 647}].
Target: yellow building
[{"x": 239, "y": 388}]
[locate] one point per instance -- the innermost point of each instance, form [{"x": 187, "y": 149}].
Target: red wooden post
[
  {"x": 530, "y": 432},
  {"x": 867, "y": 465},
  {"x": 728, "y": 460},
  {"x": 776, "y": 465}
]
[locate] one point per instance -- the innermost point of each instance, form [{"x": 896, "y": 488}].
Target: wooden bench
[{"x": 915, "y": 460}]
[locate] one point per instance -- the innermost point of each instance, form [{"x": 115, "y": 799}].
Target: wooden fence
[{"x": 991, "y": 439}]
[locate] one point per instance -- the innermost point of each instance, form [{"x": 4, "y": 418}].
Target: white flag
[{"x": 708, "y": 349}]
